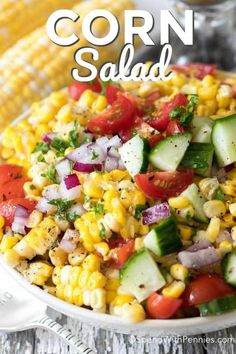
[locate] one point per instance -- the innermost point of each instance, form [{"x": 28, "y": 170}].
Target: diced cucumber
[
  {"x": 199, "y": 156},
  {"x": 134, "y": 155},
  {"x": 168, "y": 153},
  {"x": 141, "y": 275},
  {"x": 224, "y": 140},
  {"x": 201, "y": 128},
  {"x": 229, "y": 268},
  {"x": 197, "y": 200},
  {"x": 163, "y": 238},
  {"x": 218, "y": 306}
]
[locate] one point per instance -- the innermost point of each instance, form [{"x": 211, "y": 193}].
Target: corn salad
[{"x": 93, "y": 214}]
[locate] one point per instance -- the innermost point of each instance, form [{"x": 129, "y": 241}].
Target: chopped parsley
[
  {"x": 51, "y": 174},
  {"x": 60, "y": 146},
  {"x": 94, "y": 155},
  {"x": 62, "y": 209},
  {"x": 219, "y": 195},
  {"x": 139, "y": 208},
  {"x": 71, "y": 217},
  {"x": 102, "y": 232},
  {"x": 98, "y": 209},
  {"x": 43, "y": 147},
  {"x": 185, "y": 113},
  {"x": 73, "y": 138},
  {"x": 41, "y": 158}
]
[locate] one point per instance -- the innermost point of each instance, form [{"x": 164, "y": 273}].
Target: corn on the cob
[
  {"x": 18, "y": 18},
  {"x": 35, "y": 66}
]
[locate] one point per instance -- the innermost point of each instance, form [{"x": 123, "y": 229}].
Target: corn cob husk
[
  {"x": 18, "y": 18},
  {"x": 35, "y": 66}
]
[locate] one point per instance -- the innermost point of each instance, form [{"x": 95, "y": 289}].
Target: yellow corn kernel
[
  {"x": 98, "y": 298},
  {"x": 214, "y": 208},
  {"x": 11, "y": 257},
  {"x": 229, "y": 188},
  {"x": 232, "y": 174},
  {"x": 112, "y": 284},
  {"x": 78, "y": 296},
  {"x": 138, "y": 243},
  {"x": 186, "y": 232},
  {"x": 6, "y": 153},
  {"x": 179, "y": 272},
  {"x": 138, "y": 198},
  {"x": 31, "y": 190},
  {"x": 203, "y": 110},
  {"x": 1, "y": 235},
  {"x": 96, "y": 280},
  {"x": 118, "y": 175},
  {"x": 42, "y": 129},
  {"x": 178, "y": 202},
  {"x": 111, "y": 222},
  {"x": 76, "y": 257},
  {"x": 207, "y": 92},
  {"x": 102, "y": 248},
  {"x": 208, "y": 186},
  {"x": 92, "y": 263},
  {"x": 74, "y": 275},
  {"x": 84, "y": 278},
  {"x": 57, "y": 256},
  {"x": 185, "y": 213},
  {"x": 229, "y": 220},
  {"x": 65, "y": 114},
  {"x": 122, "y": 299},
  {"x": 2, "y": 221},
  {"x": 92, "y": 190},
  {"x": 56, "y": 275},
  {"x": 110, "y": 296},
  {"x": 87, "y": 98},
  {"x": 175, "y": 289},
  {"x": 38, "y": 272},
  {"x": 233, "y": 234},
  {"x": 178, "y": 80},
  {"x": 68, "y": 293},
  {"x": 232, "y": 209},
  {"x": 35, "y": 219},
  {"x": 225, "y": 247},
  {"x": 99, "y": 104},
  {"x": 8, "y": 242},
  {"x": 208, "y": 80},
  {"x": 60, "y": 291},
  {"x": 213, "y": 229},
  {"x": 133, "y": 313},
  {"x": 143, "y": 229}
]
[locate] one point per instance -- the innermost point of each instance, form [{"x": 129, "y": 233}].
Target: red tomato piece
[
  {"x": 204, "y": 288},
  {"x": 9, "y": 172},
  {"x": 122, "y": 253},
  {"x": 77, "y": 88},
  {"x": 162, "y": 185},
  {"x": 161, "y": 120},
  {"x": 155, "y": 139},
  {"x": 174, "y": 127},
  {"x": 119, "y": 115},
  {"x": 13, "y": 189},
  {"x": 7, "y": 208},
  {"x": 162, "y": 307},
  {"x": 198, "y": 70},
  {"x": 127, "y": 134},
  {"x": 112, "y": 92}
]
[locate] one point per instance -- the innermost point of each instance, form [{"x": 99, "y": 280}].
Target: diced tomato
[
  {"x": 155, "y": 139},
  {"x": 7, "y": 208},
  {"x": 153, "y": 97},
  {"x": 122, "y": 253},
  {"x": 13, "y": 189},
  {"x": 77, "y": 88},
  {"x": 162, "y": 185},
  {"x": 161, "y": 119},
  {"x": 127, "y": 133},
  {"x": 174, "y": 127},
  {"x": 112, "y": 92},
  {"x": 119, "y": 115},
  {"x": 9, "y": 172},
  {"x": 162, "y": 307},
  {"x": 198, "y": 70},
  {"x": 204, "y": 288}
]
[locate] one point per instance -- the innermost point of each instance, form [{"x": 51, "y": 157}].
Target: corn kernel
[
  {"x": 98, "y": 298},
  {"x": 112, "y": 284},
  {"x": 122, "y": 299},
  {"x": 78, "y": 296},
  {"x": 102, "y": 248},
  {"x": 68, "y": 293},
  {"x": 57, "y": 256},
  {"x": 110, "y": 296},
  {"x": 74, "y": 275},
  {"x": 76, "y": 257},
  {"x": 214, "y": 208},
  {"x": 186, "y": 232},
  {"x": 225, "y": 247},
  {"x": 232, "y": 209},
  {"x": 178, "y": 202},
  {"x": 213, "y": 229},
  {"x": 84, "y": 278},
  {"x": 96, "y": 280},
  {"x": 2, "y": 221},
  {"x": 174, "y": 290},
  {"x": 92, "y": 263},
  {"x": 179, "y": 272},
  {"x": 87, "y": 98},
  {"x": 99, "y": 104},
  {"x": 11, "y": 257},
  {"x": 229, "y": 220},
  {"x": 8, "y": 242}
]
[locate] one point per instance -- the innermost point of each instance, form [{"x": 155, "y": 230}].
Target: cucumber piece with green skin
[
  {"x": 228, "y": 266},
  {"x": 199, "y": 156},
  {"x": 141, "y": 276},
  {"x": 134, "y": 154},
  {"x": 193, "y": 194},
  {"x": 167, "y": 154},
  {"x": 224, "y": 140},
  {"x": 218, "y": 306},
  {"x": 164, "y": 238},
  {"x": 201, "y": 128}
]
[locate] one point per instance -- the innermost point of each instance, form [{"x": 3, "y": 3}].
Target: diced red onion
[
  {"x": 69, "y": 194},
  {"x": 63, "y": 169},
  {"x": 199, "y": 259},
  {"x": 77, "y": 209},
  {"x": 88, "y": 153},
  {"x": 229, "y": 168},
  {"x": 20, "y": 220},
  {"x": 199, "y": 245},
  {"x": 44, "y": 206},
  {"x": 115, "y": 141},
  {"x": 87, "y": 167},
  {"x": 52, "y": 192},
  {"x": 156, "y": 213},
  {"x": 69, "y": 241},
  {"x": 72, "y": 181},
  {"x": 113, "y": 152},
  {"x": 47, "y": 137},
  {"x": 121, "y": 165},
  {"x": 111, "y": 164},
  {"x": 102, "y": 142}
]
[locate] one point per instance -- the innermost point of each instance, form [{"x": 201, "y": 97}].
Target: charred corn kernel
[
  {"x": 174, "y": 290},
  {"x": 110, "y": 296},
  {"x": 11, "y": 257},
  {"x": 133, "y": 313},
  {"x": 178, "y": 202},
  {"x": 87, "y": 98},
  {"x": 35, "y": 219},
  {"x": 112, "y": 284},
  {"x": 56, "y": 275},
  {"x": 76, "y": 257},
  {"x": 186, "y": 232},
  {"x": 92, "y": 190},
  {"x": 92, "y": 263},
  {"x": 208, "y": 186},
  {"x": 68, "y": 293},
  {"x": 213, "y": 229},
  {"x": 232, "y": 209},
  {"x": 84, "y": 278},
  {"x": 78, "y": 296},
  {"x": 2, "y": 221},
  {"x": 229, "y": 188},
  {"x": 99, "y": 104},
  {"x": 122, "y": 299},
  {"x": 98, "y": 298},
  {"x": 8, "y": 242},
  {"x": 74, "y": 275},
  {"x": 38, "y": 272},
  {"x": 57, "y": 256},
  {"x": 229, "y": 220},
  {"x": 225, "y": 247},
  {"x": 179, "y": 272},
  {"x": 96, "y": 280},
  {"x": 214, "y": 208},
  {"x": 138, "y": 243},
  {"x": 102, "y": 248}
]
